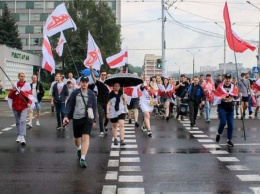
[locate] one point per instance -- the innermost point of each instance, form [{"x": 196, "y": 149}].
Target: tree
[
  {"x": 101, "y": 22},
  {"x": 9, "y": 30}
]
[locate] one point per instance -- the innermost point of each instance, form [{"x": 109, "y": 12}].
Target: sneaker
[
  {"x": 136, "y": 124},
  {"x": 29, "y": 124},
  {"x": 237, "y": 113},
  {"x": 106, "y": 129},
  {"x": 130, "y": 121},
  {"x": 191, "y": 124},
  {"x": 23, "y": 142},
  {"x": 115, "y": 142},
  {"x": 79, "y": 154},
  {"x": 167, "y": 118},
  {"x": 217, "y": 138},
  {"x": 182, "y": 118},
  {"x": 101, "y": 135},
  {"x": 122, "y": 143},
  {"x": 250, "y": 112},
  {"x": 143, "y": 128},
  {"x": 37, "y": 123},
  {"x": 149, "y": 133},
  {"x": 52, "y": 109},
  {"x": 18, "y": 140},
  {"x": 208, "y": 121},
  {"x": 83, "y": 163},
  {"x": 230, "y": 144},
  {"x": 58, "y": 127},
  {"x": 255, "y": 114}
]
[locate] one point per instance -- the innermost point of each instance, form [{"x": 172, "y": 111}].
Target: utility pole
[{"x": 163, "y": 41}]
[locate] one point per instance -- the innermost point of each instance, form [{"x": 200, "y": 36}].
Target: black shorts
[
  {"x": 244, "y": 99},
  {"x": 120, "y": 117},
  {"x": 81, "y": 126},
  {"x": 134, "y": 104}
]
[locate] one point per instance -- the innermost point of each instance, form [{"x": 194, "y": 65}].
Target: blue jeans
[
  {"x": 60, "y": 109},
  {"x": 207, "y": 110},
  {"x": 249, "y": 103},
  {"x": 226, "y": 117}
]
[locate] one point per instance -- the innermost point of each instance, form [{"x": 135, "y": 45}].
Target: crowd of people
[{"x": 80, "y": 102}]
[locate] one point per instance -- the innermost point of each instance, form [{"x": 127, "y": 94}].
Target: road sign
[{"x": 255, "y": 70}]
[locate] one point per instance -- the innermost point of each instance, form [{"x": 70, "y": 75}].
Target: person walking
[
  {"x": 38, "y": 93},
  {"x": 116, "y": 112},
  {"x": 60, "y": 94},
  {"x": 224, "y": 95},
  {"x": 102, "y": 99},
  {"x": 196, "y": 96},
  {"x": 209, "y": 88},
  {"x": 20, "y": 99},
  {"x": 50, "y": 92},
  {"x": 81, "y": 108}
]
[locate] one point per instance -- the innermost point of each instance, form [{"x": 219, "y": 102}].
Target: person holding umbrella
[{"x": 116, "y": 112}]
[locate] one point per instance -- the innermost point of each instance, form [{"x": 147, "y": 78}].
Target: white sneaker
[
  {"x": 18, "y": 140},
  {"x": 23, "y": 142},
  {"x": 37, "y": 123},
  {"x": 29, "y": 124},
  {"x": 101, "y": 135}
]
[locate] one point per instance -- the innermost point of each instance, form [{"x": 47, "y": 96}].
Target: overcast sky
[{"x": 141, "y": 31}]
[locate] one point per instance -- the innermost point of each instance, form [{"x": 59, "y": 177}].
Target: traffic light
[{"x": 159, "y": 64}]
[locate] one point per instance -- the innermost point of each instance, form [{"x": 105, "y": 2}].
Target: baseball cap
[
  {"x": 228, "y": 76},
  {"x": 84, "y": 78}
]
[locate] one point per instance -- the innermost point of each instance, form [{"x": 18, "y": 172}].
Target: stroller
[{"x": 183, "y": 108}]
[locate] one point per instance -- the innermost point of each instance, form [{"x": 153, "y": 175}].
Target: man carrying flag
[{"x": 224, "y": 95}]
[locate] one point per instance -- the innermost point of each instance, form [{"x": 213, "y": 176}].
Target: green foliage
[
  {"x": 8, "y": 30},
  {"x": 97, "y": 18},
  {"x": 46, "y": 86}
]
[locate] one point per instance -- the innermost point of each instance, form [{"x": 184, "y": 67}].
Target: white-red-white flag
[
  {"x": 94, "y": 57},
  {"x": 221, "y": 93},
  {"x": 48, "y": 62},
  {"x": 58, "y": 21},
  {"x": 62, "y": 41},
  {"x": 118, "y": 60}
]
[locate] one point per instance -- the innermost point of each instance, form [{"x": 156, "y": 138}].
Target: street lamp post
[
  {"x": 258, "y": 58},
  {"x": 193, "y": 54}
]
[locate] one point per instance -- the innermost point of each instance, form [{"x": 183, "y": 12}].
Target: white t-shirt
[{"x": 34, "y": 90}]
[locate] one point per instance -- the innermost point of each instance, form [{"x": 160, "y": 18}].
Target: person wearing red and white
[
  {"x": 20, "y": 99},
  {"x": 256, "y": 88},
  {"x": 208, "y": 86},
  {"x": 224, "y": 95}
]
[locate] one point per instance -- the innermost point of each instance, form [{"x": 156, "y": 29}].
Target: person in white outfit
[{"x": 116, "y": 112}]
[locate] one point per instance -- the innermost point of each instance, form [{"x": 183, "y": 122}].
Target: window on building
[
  {"x": 21, "y": 29},
  {"x": 24, "y": 41},
  {"x": 24, "y": 17},
  {"x": 38, "y": 5},
  {"x": 21, "y": 5},
  {"x": 35, "y": 16},
  {"x": 10, "y": 5},
  {"x": 49, "y": 5},
  {"x": 37, "y": 30},
  {"x": 35, "y": 42}
]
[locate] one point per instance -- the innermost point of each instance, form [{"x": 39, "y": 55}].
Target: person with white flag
[
  {"x": 48, "y": 62},
  {"x": 118, "y": 60},
  {"x": 62, "y": 41},
  {"x": 94, "y": 57},
  {"x": 58, "y": 21}
]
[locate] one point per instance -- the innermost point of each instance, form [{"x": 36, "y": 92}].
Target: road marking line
[
  {"x": 130, "y": 179},
  {"x": 113, "y": 163},
  {"x": 114, "y": 153},
  {"x": 130, "y": 191},
  {"x": 205, "y": 140},
  {"x": 228, "y": 159},
  {"x": 256, "y": 190},
  {"x": 219, "y": 152},
  {"x": 185, "y": 124},
  {"x": 245, "y": 144},
  {"x": 129, "y": 152},
  {"x": 109, "y": 189},
  {"x": 200, "y": 136},
  {"x": 13, "y": 125},
  {"x": 249, "y": 177},
  {"x": 129, "y": 168},
  {"x": 125, "y": 146},
  {"x": 130, "y": 136},
  {"x": 130, "y": 140},
  {"x": 209, "y": 146},
  {"x": 1, "y": 133},
  {"x": 6, "y": 129},
  {"x": 237, "y": 167},
  {"x": 129, "y": 132},
  {"x": 191, "y": 128},
  {"x": 129, "y": 159},
  {"x": 196, "y": 131},
  {"x": 111, "y": 175}
]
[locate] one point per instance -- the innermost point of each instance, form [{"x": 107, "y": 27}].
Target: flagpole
[
  {"x": 72, "y": 59},
  {"x": 241, "y": 108}
]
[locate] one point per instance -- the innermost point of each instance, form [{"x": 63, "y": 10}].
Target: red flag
[{"x": 234, "y": 42}]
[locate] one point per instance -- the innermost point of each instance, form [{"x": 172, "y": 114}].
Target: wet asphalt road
[{"x": 175, "y": 160}]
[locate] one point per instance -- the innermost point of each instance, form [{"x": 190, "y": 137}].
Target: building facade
[
  {"x": 13, "y": 61},
  {"x": 150, "y": 65},
  {"x": 230, "y": 66},
  {"x": 32, "y": 14},
  {"x": 208, "y": 68}
]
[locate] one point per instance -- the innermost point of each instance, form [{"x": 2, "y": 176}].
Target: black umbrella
[{"x": 124, "y": 79}]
